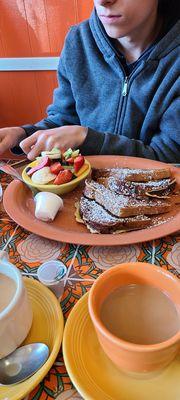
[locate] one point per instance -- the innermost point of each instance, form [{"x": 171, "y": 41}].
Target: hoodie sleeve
[
  {"x": 62, "y": 111},
  {"x": 164, "y": 145}
]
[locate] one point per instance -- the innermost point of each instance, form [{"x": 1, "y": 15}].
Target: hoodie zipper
[
  {"x": 122, "y": 108},
  {"x": 124, "y": 93},
  {"x": 125, "y": 87}
]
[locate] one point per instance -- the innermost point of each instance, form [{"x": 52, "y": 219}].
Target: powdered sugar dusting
[
  {"x": 138, "y": 175},
  {"x": 94, "y": 212},
  {"x": 130, "y": 188},
  {"x": 99, "y": 220},
  {"x": 119, "y": 199},
  {"x": 159, "y": 219},
  {"x": 121, "y": 205}
]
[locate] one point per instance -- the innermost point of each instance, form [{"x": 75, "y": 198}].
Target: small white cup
[
  {"x": 51, "y": 274},
  {"x": 16, "y": 317},
  {"x": 47, "y": 205}
]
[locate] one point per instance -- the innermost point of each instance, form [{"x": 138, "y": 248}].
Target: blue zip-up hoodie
[{"x": 134, "y": 116}]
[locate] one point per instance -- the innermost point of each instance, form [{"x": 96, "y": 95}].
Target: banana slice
[{"x": 43, "y": 176}]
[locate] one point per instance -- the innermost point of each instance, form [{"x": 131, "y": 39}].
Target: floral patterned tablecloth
[{"x": 27, "y": 251}]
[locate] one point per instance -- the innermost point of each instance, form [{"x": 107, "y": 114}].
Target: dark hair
[{"x": 169, "y": 6}]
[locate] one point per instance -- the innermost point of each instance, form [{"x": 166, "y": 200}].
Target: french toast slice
[
  {"x": 132, "y": 175},
  {"x": 162, "y": 187},
  {"x": 124, "y": 206},
  {"x": 98, "y": 220}
]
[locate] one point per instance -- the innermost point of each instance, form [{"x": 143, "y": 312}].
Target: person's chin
[{"x": 113, "y": 31}]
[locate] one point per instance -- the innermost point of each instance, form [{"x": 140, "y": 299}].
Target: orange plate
[{"x": 19, "y": 204}]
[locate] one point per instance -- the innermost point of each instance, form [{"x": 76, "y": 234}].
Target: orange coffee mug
[{"x": 126, "y": 355}]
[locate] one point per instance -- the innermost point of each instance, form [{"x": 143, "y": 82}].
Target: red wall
[{"x": 33, "y": 28}]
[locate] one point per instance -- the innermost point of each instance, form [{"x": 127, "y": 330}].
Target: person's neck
[{"x": 132, "y": 46}]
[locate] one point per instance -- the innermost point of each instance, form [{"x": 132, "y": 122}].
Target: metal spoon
[
  {"x": 22, "y": 363},
  {"x": 9, "y": 170}
]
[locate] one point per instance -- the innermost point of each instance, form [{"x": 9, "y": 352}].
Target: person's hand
[
  {"x": 10, "y": 137},
  {"x": 62, "y": 138}
]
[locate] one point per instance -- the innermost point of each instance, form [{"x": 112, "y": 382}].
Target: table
[{"x": 27, "y": 251}]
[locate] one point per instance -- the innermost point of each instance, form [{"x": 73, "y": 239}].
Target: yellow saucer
[
  {"x": 47, "y": 327},
  {"x": 95, "y": 376}
]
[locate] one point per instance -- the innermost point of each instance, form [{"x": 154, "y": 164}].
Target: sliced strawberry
[
  {"x": 70, "y": 160},
  {"x": 78, "y": 163},
  {"x": 56, "y": 167},
  {"x": 44, "y": 163},
  {"x": 63, "y": 177}
]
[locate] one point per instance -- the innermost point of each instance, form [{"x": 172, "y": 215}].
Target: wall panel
[{"x": 33, "y": 28}]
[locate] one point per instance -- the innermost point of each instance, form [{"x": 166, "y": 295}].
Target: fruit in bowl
[{"x": 56, "y": 172}]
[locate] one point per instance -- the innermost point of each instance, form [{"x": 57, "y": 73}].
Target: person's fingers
[
  {"x": 4, "y": 144},
  {"x": 49, "y": 141},
  {"x": 36, "y": 150},
  {"x": 27, "y": 143},
  {"x": 45, "y": 141}
]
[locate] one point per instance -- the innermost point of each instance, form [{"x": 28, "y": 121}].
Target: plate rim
[
  {"x": 87, "y": 238},
  {"x": 55, "y": 350}
]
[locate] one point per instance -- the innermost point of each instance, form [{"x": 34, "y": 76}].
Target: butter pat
[{"x": 47, "y": 205}]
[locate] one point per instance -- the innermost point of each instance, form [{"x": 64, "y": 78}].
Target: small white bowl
[{"x": 16, "y": 317}]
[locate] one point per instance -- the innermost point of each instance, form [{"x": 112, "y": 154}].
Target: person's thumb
[{"x": 4, "y": 144}]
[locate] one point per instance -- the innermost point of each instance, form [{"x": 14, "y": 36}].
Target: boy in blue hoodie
[{"x": 118, "y": 86}]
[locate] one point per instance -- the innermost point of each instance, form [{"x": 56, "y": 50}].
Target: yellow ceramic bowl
[
  {"x": 47, "y": 327},
  {"x": 57, "y": 189}
]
